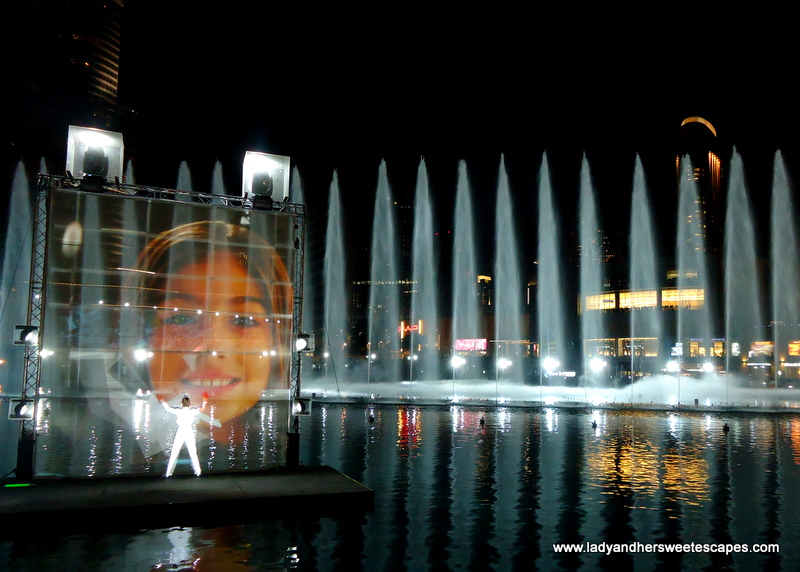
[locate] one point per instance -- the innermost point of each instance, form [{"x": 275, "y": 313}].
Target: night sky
[
  {"x": 349, "y": 90},
  {"x": 340, "y": 88}
]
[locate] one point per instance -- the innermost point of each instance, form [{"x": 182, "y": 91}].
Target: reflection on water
[
  {"x": 494, "y": 489},
  {"x": 89, "y": 437}
]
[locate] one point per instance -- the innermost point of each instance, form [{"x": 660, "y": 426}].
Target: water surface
[{"x": 455, "y": 493}]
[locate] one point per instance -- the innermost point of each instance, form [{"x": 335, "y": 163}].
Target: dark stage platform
[{"x": 69, "y": 506}]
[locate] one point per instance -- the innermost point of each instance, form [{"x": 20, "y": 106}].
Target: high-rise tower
[{"x": 698, "y": 161}]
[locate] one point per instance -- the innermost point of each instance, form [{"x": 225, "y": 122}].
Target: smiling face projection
[
  {"x": 213, "y": 337},
  {"x": 217, "y": 317}
]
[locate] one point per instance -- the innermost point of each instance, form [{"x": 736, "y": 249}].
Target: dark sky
[
  {"x": 342, "y": 88},
  {"x": 345, "y": 90},
  {"x": 325, "y": 89}
]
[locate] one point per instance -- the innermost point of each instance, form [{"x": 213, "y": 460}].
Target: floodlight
[
  {"x": 265, "y": 178},
  {"x": 305, "y": 343},
  {"x": 94, "y": 154},
  {"x": 25, "y": 335},
  {"x": 301, "y": 406},
  {"x": 596, "y": 364},
  {"x": 550, "y": 364},
  {"x": 21, "y": 409}
]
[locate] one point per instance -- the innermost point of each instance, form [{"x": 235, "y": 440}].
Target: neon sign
[
  {"x": 471, "y": 344},
  {"x": 405, "y": 329}
]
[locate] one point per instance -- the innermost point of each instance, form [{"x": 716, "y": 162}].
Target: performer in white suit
[{"x": 185, "y": 434}]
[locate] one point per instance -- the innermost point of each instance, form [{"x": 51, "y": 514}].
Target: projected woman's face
[{"x": 213, "y": 337}]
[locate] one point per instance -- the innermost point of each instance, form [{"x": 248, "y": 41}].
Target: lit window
[
  {"x": 638, "y": 299},
  {"x": 601, "y": 301},
  {"x": 691, "y": 298}
]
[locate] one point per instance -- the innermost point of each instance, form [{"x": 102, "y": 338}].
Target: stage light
[
  {"x": 597, "y": 364},
  {"x": 95, "y": 162},
  {"x": 26, "y": 335},
  {"x": 305, "y": 343},
  {"x": 94, "y": 155},
  {"x": 550, "y": 364},
  {"x": 301, "y": 406},
  {"x": 21, "y": 409},
  {"x": 265, "y": 179}
]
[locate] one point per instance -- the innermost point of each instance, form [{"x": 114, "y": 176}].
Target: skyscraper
[{"x": 64, "y": 63}]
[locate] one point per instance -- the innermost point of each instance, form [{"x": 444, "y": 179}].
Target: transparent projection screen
[{"x": 150, "y": 301}]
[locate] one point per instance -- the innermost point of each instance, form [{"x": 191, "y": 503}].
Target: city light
[
  {"x": 550, "y": 364},
  {"x": 597, "y": 364}
]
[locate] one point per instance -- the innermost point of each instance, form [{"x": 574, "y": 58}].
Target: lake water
[{"x": 455, "y": 493}]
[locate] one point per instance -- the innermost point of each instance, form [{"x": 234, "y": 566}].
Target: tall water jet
[
  {"x": 296, "y": 194},
  {"x": 742, "y": 296},
  {"x": 693, "y": 297},
  {"x": 184, "y": 182},
  {"x": 129, "y": 178},
  {"x": 646, "y": 316},
  {"x": 591, "y": 278},
  {"x": 785, "y": 265},
  {"x": 130, "y": 245},
  {"x": 384, "y": 306},
  {"x": 15, "y": 280},
  {"x": 465, "y": 279},
  {"x": 552, "y": 347},
  {"x": 14, "y": 294},
  {"x": 90, "y": 325},
  {"x": 217, "y": 182},
  {"x": 507, "y": 291},
  {"x": 424, "y": 298},
  {"x": 336, "y": 315}
]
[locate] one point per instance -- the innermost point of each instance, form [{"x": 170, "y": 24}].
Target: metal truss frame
[{"x": 36, "y": 301}]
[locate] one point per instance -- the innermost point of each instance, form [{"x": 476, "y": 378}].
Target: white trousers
[{"x": 184, "y": 436}]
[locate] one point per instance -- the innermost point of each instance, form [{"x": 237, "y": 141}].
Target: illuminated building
[
  {"x": 690, "y": 291},
  {"x": 698, "y": 161}
]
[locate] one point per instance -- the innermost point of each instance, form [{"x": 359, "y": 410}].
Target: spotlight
[
  {"x": 261, "y": 190},
  {"x": 301, "y": 406},
  {"x": 25, "y": 335},
  {"x": 550, "y": 364},
  {"x": 265, "y": 178},
  {"x": 263, "y": 185},
  {"x": 21, "y": 409},
  {"x": 305, "y": 343},
  {"x": 95, "y": 162},
  {"x": 596, "y": 364},
  {"x": 94, "y": 155}
]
